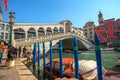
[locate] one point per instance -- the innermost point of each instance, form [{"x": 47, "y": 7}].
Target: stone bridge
[{"x": 25, "y": 34}]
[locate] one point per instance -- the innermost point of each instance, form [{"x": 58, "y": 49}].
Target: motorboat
[
  {"x": 117, "y": 49},
  {"x": 69, "y": 71}
]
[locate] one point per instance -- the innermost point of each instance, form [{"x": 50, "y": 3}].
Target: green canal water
[{"x": 109, "y": 59}]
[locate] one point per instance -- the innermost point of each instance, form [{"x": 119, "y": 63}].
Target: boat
[
  {"x": 117, "y": 49},
  {"x": 104, "y": 49},
  {"x": 69, "y": 72},
  {"x": 67, "y": 64}
]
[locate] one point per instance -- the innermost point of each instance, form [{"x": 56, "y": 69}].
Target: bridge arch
[
  {"x": 31, "y": 32},
  {"x": 41, "y": 31},
  {"x": 61, "y": 30},
  {"x": 55, "y": 30},
  {"x": 19, "y": 33},
  {"x": 48, "y": 31}
]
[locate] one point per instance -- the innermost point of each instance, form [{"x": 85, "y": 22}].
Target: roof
[
  {"x": 113, "y": 19},
  {"x": 65, "y": 60}
]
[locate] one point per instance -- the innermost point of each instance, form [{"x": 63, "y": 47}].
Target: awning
[
  {"x": 103, "y": 42},
  {"x": 116, "y": 42}
]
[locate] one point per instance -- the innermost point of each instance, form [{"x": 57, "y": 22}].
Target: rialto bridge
[{"x": 25, "y": 34}]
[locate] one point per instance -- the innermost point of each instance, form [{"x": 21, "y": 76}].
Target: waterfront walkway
[{"x": 18, "y": 72}]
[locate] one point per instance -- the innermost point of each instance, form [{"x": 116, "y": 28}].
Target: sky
[{"x": 54, "y": 11}]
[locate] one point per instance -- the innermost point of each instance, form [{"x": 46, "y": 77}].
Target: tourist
[
  {"x": 1, "y": 54},
  {"x": 24, "y": 52},
  {"x": 10, "y": 56},
  {"x": 19, "y": 51}
]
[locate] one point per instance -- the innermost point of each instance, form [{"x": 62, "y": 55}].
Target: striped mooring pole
[
  {"x": 38, "y": 59},
  {"x": 75, "y": 48},
  {"x": 44, "y": 61},
  {"x": 98, "y": 57},
  {"x": 50, "y": 56},
  {"x": 61, "y": 57},
  {"x": 34, "y": 59}
]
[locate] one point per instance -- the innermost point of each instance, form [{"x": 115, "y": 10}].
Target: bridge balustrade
[{"x": 46, "y": 38}]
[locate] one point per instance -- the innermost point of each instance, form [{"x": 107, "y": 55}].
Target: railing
[{"x": 47, "y": 38}]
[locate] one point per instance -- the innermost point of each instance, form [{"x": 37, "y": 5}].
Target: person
[
  {"x": 15, "y": 51},
  {"x": 10, "y": 57},
  {"x": 1, "y": 54},
  {"x": 24, "y": 51},
  {"x": 88, "y": 69},
  {"x": 19, "y": 51}
]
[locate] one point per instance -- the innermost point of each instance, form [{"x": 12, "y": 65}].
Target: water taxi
[{"x": 69, "y": 71}]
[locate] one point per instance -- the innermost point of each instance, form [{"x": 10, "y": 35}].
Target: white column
[
  {"x": 26, "y": 34},
  {"x": 36, "y": 33}
]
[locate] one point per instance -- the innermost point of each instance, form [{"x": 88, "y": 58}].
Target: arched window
[
  {"x": 2, "y": 35},
  {"x": 2, "y": 26},
  {"x": 31, "y": 33},
  {"x": 41, "y": 31},
  {"x": 61, "y": 30},
  {"x": 48, "y": 31},
  {"x": 6, "y": 35},
  {"x": 19, "y": 33},
  {"x": 55, "y": 30},
  {"x": 6, "y": 27}
]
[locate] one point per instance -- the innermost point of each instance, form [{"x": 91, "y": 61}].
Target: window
[
  {"x": 19, "y": 33},
  {"x": 90, "y": 33},
  {"x": 48, "y": 31},
  {"x": 113, "y": 27},
  {"x": 31, "y": 33},
  {"x": 2, "y": 35},
  {"x": 85, "y": 29},
  {"x": 86, "y": 34},
  {"x": 41, "y": 31},
  {"x": 55, "y": 30},
  {"x": 117, "y": 33},
  {"x": 2, "y": 26},
  {"x": 6, "y": 27},
  {"x": 90, "y": 29},
  {"x": 6, "y": 35},
  {"x": 91, "y": 37}
]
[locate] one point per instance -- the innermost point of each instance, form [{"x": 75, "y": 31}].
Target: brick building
[{"x": 108, "y": 30}]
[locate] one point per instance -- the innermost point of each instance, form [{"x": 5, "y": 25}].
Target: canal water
[{"x": 109, "y": 58}]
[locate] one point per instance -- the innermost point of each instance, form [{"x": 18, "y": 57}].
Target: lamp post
[{"x": 10, "y": 25}]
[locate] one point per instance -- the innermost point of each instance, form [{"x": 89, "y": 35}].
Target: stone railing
[{"x": 51, "y": 37}]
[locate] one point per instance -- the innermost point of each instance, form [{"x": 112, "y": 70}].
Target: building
[
  {"x": 108, "y": 30},
  {"x": 89, "y": 30},
  {"x": 4, "y": 30},
  {"x": 78, "y": 31}
]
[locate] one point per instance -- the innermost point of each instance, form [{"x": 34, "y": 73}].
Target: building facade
[
  {"x": 108, "y": 30},
  {"x": 89, "y": 30},
  {"x": 4, "y": 34},
  {"x": 78, "y": 31},
  {"x": 27, "y": 30}
]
